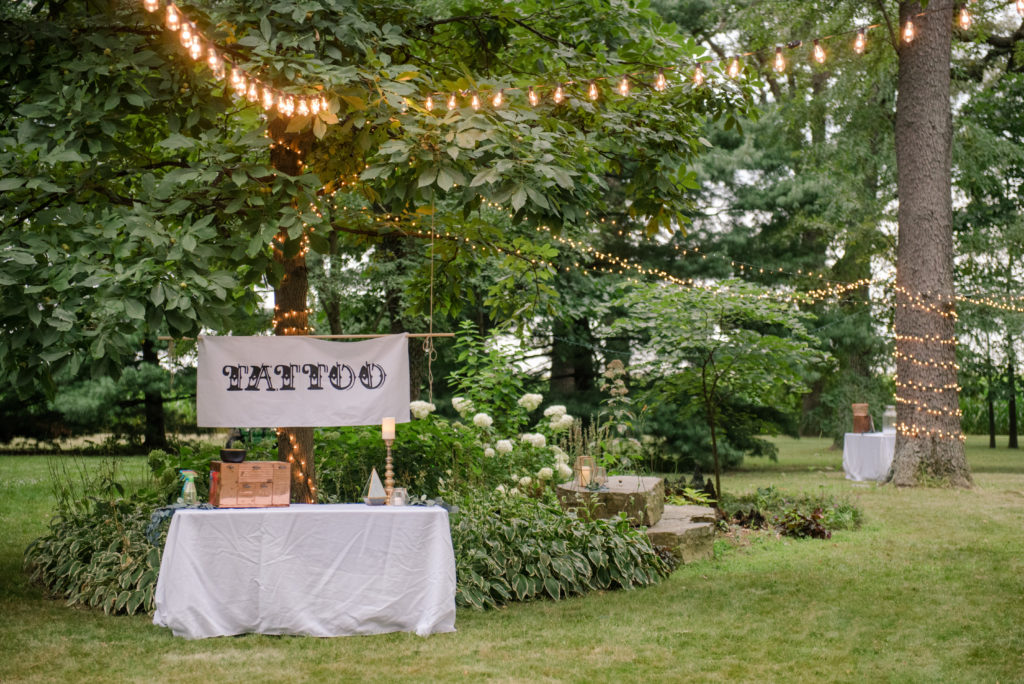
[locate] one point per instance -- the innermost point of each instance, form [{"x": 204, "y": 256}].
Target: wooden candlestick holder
[{"x": 389, "y": 473}]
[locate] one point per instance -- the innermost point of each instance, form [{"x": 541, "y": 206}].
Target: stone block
[
  {"x": 642, "y": 499},
  {"x": 689, "y": 538}
]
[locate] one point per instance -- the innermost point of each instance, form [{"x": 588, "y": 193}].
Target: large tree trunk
[
  {"x": 155, "y": 435},
  {"x": 291, "y": 317},
  {"x": 929, "y": 445}
]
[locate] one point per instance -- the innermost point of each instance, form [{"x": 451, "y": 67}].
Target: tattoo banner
[{"x": 293, "y": 381}]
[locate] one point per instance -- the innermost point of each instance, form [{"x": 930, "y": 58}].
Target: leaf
[
  {"x": 356, "y": 103},
  {"x": 176, "y": 141},
  {"x": 320, "y": 127},
  {"x": 134, "y": 309},
  {"x": 265, "y": 28},
  {"x": 519, "y": 198},
  {"x": 11, "y": 183}
]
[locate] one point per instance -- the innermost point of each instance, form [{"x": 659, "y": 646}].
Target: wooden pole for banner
[{"x": 168, "y": 338}]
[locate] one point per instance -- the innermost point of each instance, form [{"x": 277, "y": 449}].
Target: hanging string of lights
[
  {"x": 695, "y": 75},
  {"x": 243, "y": 83}
]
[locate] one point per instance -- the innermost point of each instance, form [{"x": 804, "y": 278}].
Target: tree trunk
[
  {"x": 291, "y": 317},
  {"x": 155, "y": 434},
  {"x": 572, "y": 358},
  {"x": 929, "y": 444},
  {"x": 990, "y": 401},
  {"x": 1011, "y": 387}
]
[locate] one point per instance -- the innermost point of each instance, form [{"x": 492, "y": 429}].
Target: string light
[
  {"x": 185, "y": 35},
  {"x": 624, "y": 86},
  {"x": 497, "y": 99},
  {"x": 151, "y": 5},
  {"x": 532, "y": 97},
  {"x": 474, "y": 102},
  {"x": 253, "y": 94},
  {"x": 452, "y": 102},
  {"x": 908, "y": 31},
  {"x": 965, "y": 18},
  {"x": 196, "y": 49},
  {"x": 780, "y": 61},
  {"x": 429, "y": 104},
  {"x": 860, "y": 43},
  {"x": 818, "y": 52},
  {"x": 559, "y": 95},
  {"x": 660, "y": 82},
  {"x": 172, "y": 20},
  {"x": 268, "y": 99},
  {"x": 698, "y": 76},
  {"x": 734, "y": 67},
  {"x": 592, "y": 91}
]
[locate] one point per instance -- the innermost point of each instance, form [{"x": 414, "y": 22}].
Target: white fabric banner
[{"x": 292, "y": 381}]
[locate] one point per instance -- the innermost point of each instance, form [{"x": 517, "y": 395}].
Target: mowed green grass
[{"x": 931, "y": 589}]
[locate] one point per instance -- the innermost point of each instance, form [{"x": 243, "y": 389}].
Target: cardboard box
[{"x": 253, "y": 484}]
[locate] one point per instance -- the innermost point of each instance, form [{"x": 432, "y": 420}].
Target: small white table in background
[
  {"x": 868, "y": 455},
  {"x": 316, "y": 570}
]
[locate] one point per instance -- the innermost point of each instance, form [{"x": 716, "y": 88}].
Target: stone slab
[
  {"x": 690, "y": 539},
  {"x": 642, "y": 499}
]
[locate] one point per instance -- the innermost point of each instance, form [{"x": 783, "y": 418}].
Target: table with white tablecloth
[
  {"x": 316, "y": 570},
  {"x": 868, "y": 455}
]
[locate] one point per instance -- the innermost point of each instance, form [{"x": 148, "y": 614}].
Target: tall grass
[{"x": 928, "y": 590}]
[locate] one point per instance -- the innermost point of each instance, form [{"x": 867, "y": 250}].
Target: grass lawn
[{"x": 931, "y": 589}]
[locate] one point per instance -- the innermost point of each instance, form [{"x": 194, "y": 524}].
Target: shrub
[
  {"x": 513, "y": 548},
  {"x": 98, "y": 556},
  {"x": 799, "y": 516}
]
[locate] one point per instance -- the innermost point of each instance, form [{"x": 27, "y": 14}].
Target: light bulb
[
  {"x": 314, "y": 105},
  {"x": 496, "y": 100},
  {"x": 559, "y": 95},
  {"x": 475, "y": 102},
  {"x": 860, "y": 43},
  {"x": 908, "y": 31},
  {"x": 452, "y": 102},
  {"x": 186, "y": 36},
  {"x": 734, "y": 67},
  {"x": 303, "y": 108},
  {"x": 965, "y": 18},
  {"x": 172, "y": 19},
  {"x": 151, "y": 5},
  {"x": 592, "y": 91},
  {"x": 698, "y": 76},
  {"x": 237, "y": 80},
  {"x": 819, "y": 52},
  {"x": 268, "y": 99},
  {"x": 660, "y": 82},
  {"x": 196, "y": 49},
  {"x": 429, "y": 104},
  {"x": 323, "y": 103},
  {"x": 780, "y": 61},
  {"x": 531, "y": 95},
  {"x": 624, "y": 86},
  {"x": 253, "y": 93},
  {"x": 213, "y": 59}
]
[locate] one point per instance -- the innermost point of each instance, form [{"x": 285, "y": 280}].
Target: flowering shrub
[{"x": 510, "y": 548}]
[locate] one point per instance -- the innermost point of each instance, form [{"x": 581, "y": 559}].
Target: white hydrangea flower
[
  {"x": 489, "y": 452},
  {"x": 556, "y": 410},
  {"x": 530, "y": 401},
  {"x": 462, "y": 405},
  {"x": 513, "y": 492},
  {"x": 563, "y": 422},
  {"x": 538, "y": 440},
  {"x": 500, "y": 489},
  {"x": 421, "y": 409},
  {"x": 561, "y": 457},
  {"x": 564, "y": 471},
  {"x": 482, "y": 420},
  {"x": 545, "y": 474},
  {"x": 504, "y": 446},
  {"x": 525, "y": 481}
]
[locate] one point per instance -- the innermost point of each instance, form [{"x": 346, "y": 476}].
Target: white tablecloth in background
[
  {"x": 316, "y": 570},
  {"x": 868, "y": 455}
]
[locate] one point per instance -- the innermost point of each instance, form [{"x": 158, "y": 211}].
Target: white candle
[
  {"x": 584, "y": 476},
  {"x": 387, "y": 428}
]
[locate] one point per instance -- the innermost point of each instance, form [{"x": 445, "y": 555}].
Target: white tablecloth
[
  {"x": 317, "y": 570},
  {"x": 868, "y": 455}
]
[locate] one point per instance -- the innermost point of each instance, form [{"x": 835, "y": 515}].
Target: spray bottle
[{"x": 189, "y": 497}]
